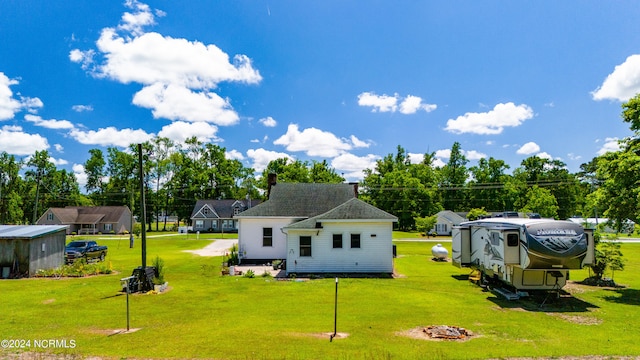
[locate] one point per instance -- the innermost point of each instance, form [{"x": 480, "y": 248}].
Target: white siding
[
  {"x": 375, "y": 254},
  {"x": 250, "y": 238}
]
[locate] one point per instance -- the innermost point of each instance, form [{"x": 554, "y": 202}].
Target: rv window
[
  {"x": 512, "y": 240},
  {"x": 495, "y": 238}
]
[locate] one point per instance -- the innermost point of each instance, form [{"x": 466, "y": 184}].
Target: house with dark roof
[
  {"x": 302, "y": 222},
  {"x": 90, "y": 219},
  {"x": 219, "y": 215}
]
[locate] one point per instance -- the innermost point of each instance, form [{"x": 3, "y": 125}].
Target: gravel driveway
[{"x": 216, "y": 248}]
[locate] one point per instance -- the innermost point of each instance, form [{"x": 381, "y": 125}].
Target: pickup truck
[{"x": 84, "y": 249}]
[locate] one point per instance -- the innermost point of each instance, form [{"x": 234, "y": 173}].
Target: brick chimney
[
  {"x": 355, "y": 189},
  {"x": 272, "y": 179}
]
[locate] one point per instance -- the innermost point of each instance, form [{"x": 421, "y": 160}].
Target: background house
[
  {"x": 90, "y": 219},
  {"x": 219, "y": 215},
  {"x": 260, "y": 236},
  {"x": 447, "y": 219},
  {"x": 25, "y": 249},
  {"x": 354, "y": 237}
]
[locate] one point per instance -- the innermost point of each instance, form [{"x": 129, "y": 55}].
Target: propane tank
[{"x": 439, "y": 252}]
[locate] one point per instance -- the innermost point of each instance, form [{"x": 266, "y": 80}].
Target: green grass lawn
[{"x": 204, "y": 315}]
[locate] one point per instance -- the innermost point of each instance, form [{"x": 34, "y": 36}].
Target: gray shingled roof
[
  {"x": 354, "y": 209},
  {"x": 111, "y": 214},
  {"x": 224, "y": 208},
  {"x": 302, "y": 199}
]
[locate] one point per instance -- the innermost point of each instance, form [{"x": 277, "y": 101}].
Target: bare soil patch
[{"x": 438, "y": 333}]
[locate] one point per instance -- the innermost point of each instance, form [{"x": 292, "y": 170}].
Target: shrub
[
  {"x": 233, "y": 258},
  {"x": 249, "y": 274},
  {"x": 79, "y": 268},
  {"x": 158, "y": 263}
]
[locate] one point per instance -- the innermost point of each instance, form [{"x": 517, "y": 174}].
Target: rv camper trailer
[{"x": 524, "y": 254}]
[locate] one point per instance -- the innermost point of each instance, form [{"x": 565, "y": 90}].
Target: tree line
[{"x": 176, "y": 175}]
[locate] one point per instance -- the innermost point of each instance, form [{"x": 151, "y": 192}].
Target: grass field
[{"x": 205, "y": 315}]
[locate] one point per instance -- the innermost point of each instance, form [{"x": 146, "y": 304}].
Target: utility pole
[{"x": 143, "y": 214}]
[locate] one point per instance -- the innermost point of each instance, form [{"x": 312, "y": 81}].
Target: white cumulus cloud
[
  {"x": 610, "y": 145},
  {"x": 412, "y": 104},
  {"x": 268, "y": 121},
  {"x": 387, "y": 103},
  {"x": 351, "y": 166},
  {"x": 110, "y": 136},
  {"x": 16, "y": 142},
  {"x": 179, "y": 131},
  {"x": 178, "y": 76},
  {"x": 261, "y": 158},
  {"x": 176, "y": 102},
  {"x": 491, "y": 122},
  {"x": 528, "y": 148},
  {"x": 234, "y": 155},
  {"x": 315, "y": 142},
  {"x": 82, "y": 108},
  {"x": 623, "y": 83},
  {"x": 9, "y": 105},
  {"x": 49, "y": 124},
  {"x": 81, "y": 176}
]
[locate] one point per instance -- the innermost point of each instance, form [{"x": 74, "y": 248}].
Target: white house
[
  {"x": 354, "y": 237},
  {"x": 260, "y": 235},
  {"x": 447, "y": 219}
]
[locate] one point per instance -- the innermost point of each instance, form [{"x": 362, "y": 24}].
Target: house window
[
  {"x": 355, "y": 241},
  {"x": 305, "y": 245},
  {"x": 227, "y": 224},
  {"x": 441, "y": 228},
  {"x": 236, "y": 210},
  {"x": 205, "y": 211},
  {"x": 199, "y": 224},
  {"x": 50, "y": 216},
  {"x": 267, "y": 236},
  {"x": 108, "y": 227},
  {"x": 337, "y": 241}
]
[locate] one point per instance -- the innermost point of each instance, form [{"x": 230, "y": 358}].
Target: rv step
[{"x": 509, "y": 295}]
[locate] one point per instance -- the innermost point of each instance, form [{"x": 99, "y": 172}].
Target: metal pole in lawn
[
  {"x": 125, "y": 282},
  {"x": 335, "y": 315}
]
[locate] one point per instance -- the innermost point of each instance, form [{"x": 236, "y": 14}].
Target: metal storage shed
[{"x": 25, "y": 249}]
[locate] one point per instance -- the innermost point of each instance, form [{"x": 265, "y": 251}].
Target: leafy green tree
[
  {"x": 425, "y": 224},
  {"x": 608, "y": 256},
  {"x": 40, "y": 167},
  {"x": 401, "y": 188},
  {"x": 161, "y": 150},
  {"x": 631, "y": 113},
  {"x": 487, "y": 186},
  {"x": 454, "y": 177},
  {"x": 321, "y": 172},
  {"x": 94, "y": 168},
  {"x": 552, "y": 175},
  {"x": 476, "y": 213},
  {"x": 540, "y": 200},
  {"x": 11, "y": 184},
  {"x": 297, "y": 171}
]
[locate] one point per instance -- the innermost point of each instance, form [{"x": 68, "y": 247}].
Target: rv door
[{"x": 511, "y": 247}]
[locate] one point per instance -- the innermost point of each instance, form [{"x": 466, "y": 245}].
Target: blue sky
[{"x": 342, "y": 81}]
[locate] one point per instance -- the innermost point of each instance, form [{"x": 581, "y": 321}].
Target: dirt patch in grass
[
  {"x": 576, "y": 319},
  {"x": 438, "y": 333}
]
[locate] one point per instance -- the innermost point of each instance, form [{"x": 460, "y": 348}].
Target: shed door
[{"x": 511, "y": 247}]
